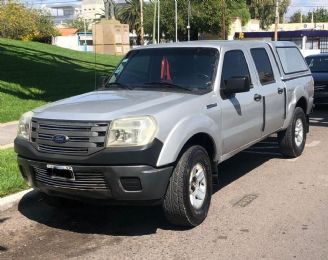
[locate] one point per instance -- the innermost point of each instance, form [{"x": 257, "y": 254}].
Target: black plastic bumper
[
  {"x": 151, "y": 182},
  {"x": 145, "y": 155}
]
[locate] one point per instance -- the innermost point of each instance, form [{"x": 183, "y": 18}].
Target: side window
[
  {"x": 291, "y": 60},
  {"x": 234, "y": 65},
  {"x": 263, "y": 65}
]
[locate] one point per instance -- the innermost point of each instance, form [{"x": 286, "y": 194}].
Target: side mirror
[
  {"x": 102, "y": 80},
  {"x": 236, "y": 85}
]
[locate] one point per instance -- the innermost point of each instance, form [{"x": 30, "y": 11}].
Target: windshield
[
  {"x": 185, "y": 69},
  {"x": 317, "y": 64}
]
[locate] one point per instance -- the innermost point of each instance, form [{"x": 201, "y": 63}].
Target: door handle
[
  {"x": 280, "y": 90},
  {"x": 257, "y": 97}
]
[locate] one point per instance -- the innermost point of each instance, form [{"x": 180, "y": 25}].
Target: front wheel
[
  {"x": 188, "y": 196},
  {"x": 292, "y": 140}
]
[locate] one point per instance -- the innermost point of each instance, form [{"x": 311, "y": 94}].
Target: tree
[
  {"x": 206, "y": 16},
  {"x": 21, "y": 23},
  {"x": 298, "y": 17},
  {"x": 79, "y": 23},
  {"x": 239, "y": 8},
  {"x": 130, "y": 14},
  {"x": 264, "y": 10},
  {"x": 319, "y": 16}
]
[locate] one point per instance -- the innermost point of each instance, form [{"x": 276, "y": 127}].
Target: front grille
[
  {"x": 83, "y": 138},
  {"x": 83, "y": 180}
]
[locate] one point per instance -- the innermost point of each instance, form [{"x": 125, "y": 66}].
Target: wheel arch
[{"x": 196, "y": 130}]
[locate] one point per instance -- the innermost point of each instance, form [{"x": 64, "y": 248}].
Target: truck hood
[{"x": 108, "y": 105}]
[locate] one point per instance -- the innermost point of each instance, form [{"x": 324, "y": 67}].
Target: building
[
  {"x": 63, "y": 13},
  {"x": 309, "y": 41},
  {"x": 91, "y": 9},
  {"x": 73, "y": 40}
]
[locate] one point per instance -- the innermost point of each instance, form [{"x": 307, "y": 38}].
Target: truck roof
[{"x": 218, "y": 44}]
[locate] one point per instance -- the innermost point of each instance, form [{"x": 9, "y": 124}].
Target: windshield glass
[
  {"x": 185, "y": 69},
  {"x": 317, "y": 64}
]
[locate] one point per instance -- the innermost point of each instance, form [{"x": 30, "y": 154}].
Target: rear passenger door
[
  {"x": 241, "y": 113},
  {"x": 271, "y": 87}
]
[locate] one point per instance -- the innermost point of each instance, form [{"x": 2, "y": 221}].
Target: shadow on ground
[
  {"x": 122, "y": 220},
  {"x": 319, "y": 117}
]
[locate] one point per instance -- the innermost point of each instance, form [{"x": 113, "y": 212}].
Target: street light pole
[
  {"x": 276, "y": 21},
  {"x": 141, "y": 23},
  {"x": 176, "y": 20},
  {"x": 85, "y": 35},
  {"x": 188, "y": 26},
  {"x": 154, "y": 23},
  {"x": 158, "y": 20}
]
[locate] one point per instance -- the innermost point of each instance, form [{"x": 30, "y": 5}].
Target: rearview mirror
[{"x": 236, "y": 85}]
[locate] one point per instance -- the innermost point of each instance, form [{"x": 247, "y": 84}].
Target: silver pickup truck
[{"x": 159, "y": 126}]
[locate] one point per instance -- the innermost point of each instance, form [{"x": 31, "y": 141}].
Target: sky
[{"x": 305, "y": 6}]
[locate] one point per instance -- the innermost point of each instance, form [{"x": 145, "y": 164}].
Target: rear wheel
[
  {"x": 292, "y": 140},
  {"x": 188, "y": 196}
]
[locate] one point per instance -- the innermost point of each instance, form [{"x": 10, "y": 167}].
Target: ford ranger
[{"x": 160, "y": 125}]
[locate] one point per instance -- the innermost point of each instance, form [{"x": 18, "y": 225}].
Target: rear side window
[
  {"x": 234, "y": 65},
  {"x": 291, "y": 60},
  {"x": 263, "y": 65}
]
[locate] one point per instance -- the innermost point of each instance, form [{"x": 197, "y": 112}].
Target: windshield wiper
[
  {"x": 162, "y": 83},
  {"x": 120, "y": 85}
]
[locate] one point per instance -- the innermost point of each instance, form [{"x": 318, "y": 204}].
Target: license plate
[{"x": 60, "y": 172}]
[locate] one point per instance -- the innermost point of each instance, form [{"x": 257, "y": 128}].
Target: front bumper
[{"x": 111, "y": 183}]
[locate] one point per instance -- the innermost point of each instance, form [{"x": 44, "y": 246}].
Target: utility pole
[
  {"x": 223, "y": 20},
  {"x": 188, "y": 26},
  {"x": 276, "y": 22},
  {"x": 141, "y": 23},
  {"x": 176, "y": 20},
  {"x": 85, "y": 35},
  {"x": 158, "y": 20},
  {"x": 154, "y": 22}
]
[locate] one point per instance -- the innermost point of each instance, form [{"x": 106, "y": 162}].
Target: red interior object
[{"x": 165, "y": 70}]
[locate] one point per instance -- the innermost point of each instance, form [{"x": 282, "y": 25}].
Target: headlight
[
  {"x": 132, "y": 131},
  {"x": 24, "y": 125}
]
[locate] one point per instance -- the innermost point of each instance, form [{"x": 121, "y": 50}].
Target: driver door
[{"x": 241, "y": 112}]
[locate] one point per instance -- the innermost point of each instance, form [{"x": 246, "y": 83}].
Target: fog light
[{"x": 131, "y": 183}]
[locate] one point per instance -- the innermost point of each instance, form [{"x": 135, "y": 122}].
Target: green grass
[
  {"x": 32, "y": 74},
  {"x": 10, "y": 178}
]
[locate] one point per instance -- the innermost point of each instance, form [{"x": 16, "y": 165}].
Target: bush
[{"x": 21, "y": 23}]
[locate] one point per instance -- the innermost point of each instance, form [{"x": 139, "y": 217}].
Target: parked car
[
  {"x": 164, "y": 121},
  {"x": 319, "y": 67}
]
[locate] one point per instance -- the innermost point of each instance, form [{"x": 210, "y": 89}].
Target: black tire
[
  {"x": 286, "y": 138},
  {"x": 177, "y": 204}
]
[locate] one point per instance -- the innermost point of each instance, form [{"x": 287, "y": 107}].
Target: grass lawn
[
  {"x": 32, "y": 74},
  {"x": 10, "y": 178}
]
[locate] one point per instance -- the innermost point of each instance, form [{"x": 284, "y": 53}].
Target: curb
[
  {"x": 10, "y": 200},
  {"x": 6, "y": 146},
  {"x": 9, "y": 123}
]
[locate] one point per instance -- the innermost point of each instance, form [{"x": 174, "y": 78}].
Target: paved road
[
  {"x": 266, "y": 207},
  {"x": 8, "y": 133}
]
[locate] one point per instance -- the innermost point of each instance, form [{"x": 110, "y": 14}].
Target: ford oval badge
[{"x": 60, "y": 139}]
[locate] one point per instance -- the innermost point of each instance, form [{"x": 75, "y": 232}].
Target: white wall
[{"x": 69, "y": 42}]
